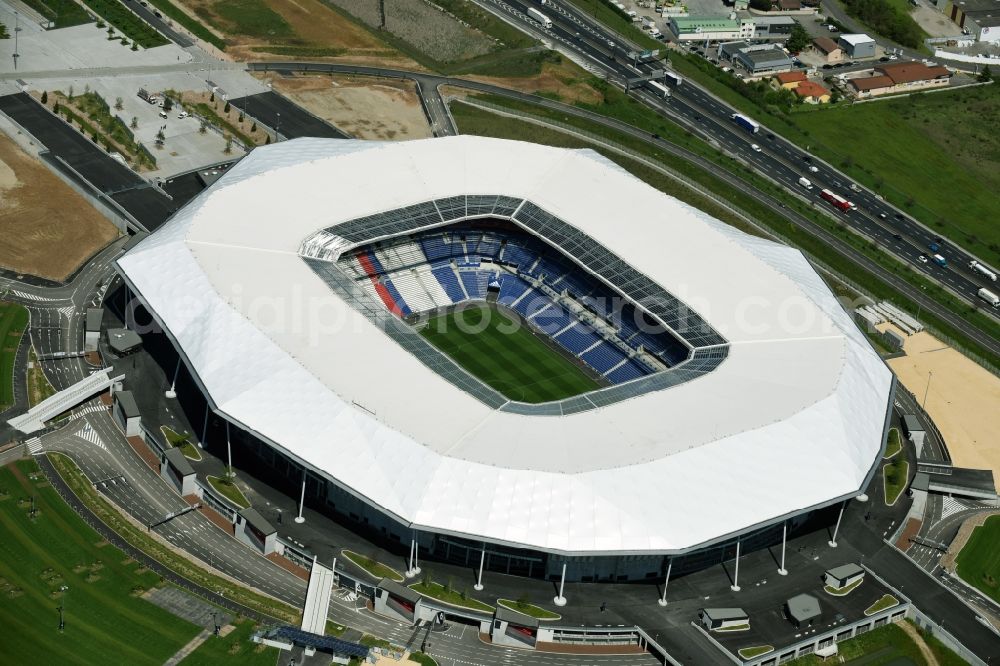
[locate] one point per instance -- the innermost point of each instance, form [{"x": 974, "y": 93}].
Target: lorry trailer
[
  {"x": 837, "y": 201},
  {"x": 746, "y": 122},
  {"x": 983, "y": 270},
  {"x": 989, "y": 297},
  {"x": 540, "y": 17}
]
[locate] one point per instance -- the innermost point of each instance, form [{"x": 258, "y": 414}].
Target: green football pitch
[
  {"x": 55, "y": 559},
  {"x": 13, "y": 321},
  {"x": 504, "y": 354}
]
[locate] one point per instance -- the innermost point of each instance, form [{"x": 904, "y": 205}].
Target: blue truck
[{"x": 746, "y": 122}]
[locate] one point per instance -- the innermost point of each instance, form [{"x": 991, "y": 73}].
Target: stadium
[{"x": 496, "y": 347}]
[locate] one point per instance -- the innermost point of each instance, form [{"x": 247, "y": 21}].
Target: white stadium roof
[{"x": 793, "y": 418}]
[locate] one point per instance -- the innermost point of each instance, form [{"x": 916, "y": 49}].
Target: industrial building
[
  {"x": 858, "y": 46},
  {"x": 756, "y": 59}
]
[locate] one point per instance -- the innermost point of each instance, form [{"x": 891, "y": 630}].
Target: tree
[
  {"x": 135, "y": 123},
  {"x": 229, "y": 145},
  {"x": 986, "y": 75},
  {"x": 211, "y": 98},
  {"x": 203, "y": 128},
  {"x": 55, "y": 107},
  {"x": 253, "y": 127},
  {"x": 761, "y": 5},
  {"x": 119, "y": 103},
  {"x": 226, "y": 109},
  {"x": 798, "y": 40},
  {"x": 168, "y": 104},
  {"x": 268, "y": 140},
  {"x": 70, "y": 95},
  {"x": 86, "y": 89},
  {"x": 241, "y": 117}
]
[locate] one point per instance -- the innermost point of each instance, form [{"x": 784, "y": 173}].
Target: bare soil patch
[
  {"x": 365, "y": 107},
  {"x": 47, "y": 229},
  {"x": 565, "y": 80},
  {"x": 962, "y": 399}
]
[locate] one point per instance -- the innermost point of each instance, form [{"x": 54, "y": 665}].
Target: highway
[{"x": 838, "y": 245}]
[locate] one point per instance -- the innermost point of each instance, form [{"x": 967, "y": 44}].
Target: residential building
[
  {"x": 812, "y": 92},
  {"x": 711, "y": 28},
  {"x": 858, "y": 46},
  {"x": 829, "y": 49},
  {"x": 790, "y": 80},
  {"x": 900, "y": 77}
]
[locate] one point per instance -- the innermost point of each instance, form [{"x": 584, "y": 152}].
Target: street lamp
[
  {"x": 923, "y": 405},
  {"x": 17, "y": 29}
]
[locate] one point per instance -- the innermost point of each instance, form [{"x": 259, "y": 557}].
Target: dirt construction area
[
  {"x": 963, "y": 399},
  {"x": 46, "y": 228},
  {"x": 364, "y": 107}
]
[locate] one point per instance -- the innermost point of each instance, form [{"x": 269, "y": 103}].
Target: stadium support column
[
  {"x": 735, "y": 587},
  {"x": 784, "y": 538},
  {"x": 229, "y": 454},
  {"x": 302, "y": 498},
  {"x": 414, "y": 563},
  {"x": 666, "y": 581},
  {"x": 172, "y": 392},
  {"x": 833, "y": 542},
  {"x": 561, "y": 600},
  {"x": 204, "y": 427},
  {"x": 479, "y": 580}
]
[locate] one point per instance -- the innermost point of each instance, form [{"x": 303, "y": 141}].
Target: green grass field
[
  {"x": 104, "y": 620},
  {"x": 886, "y": 646},
  {"x": 930, "y": 154},
  {"x": 506, "y": 355},
  {"x": 979, "y": 560},
  {"x": 13, "y": 321},
  {"x": 236, "y": 648}
]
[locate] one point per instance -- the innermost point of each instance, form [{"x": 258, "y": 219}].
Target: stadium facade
[{"x": 735, "y": 399}]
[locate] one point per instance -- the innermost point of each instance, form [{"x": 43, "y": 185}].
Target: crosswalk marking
[
  {"x": 34, "y": 446},
  {"x": 32, "y": 297}
]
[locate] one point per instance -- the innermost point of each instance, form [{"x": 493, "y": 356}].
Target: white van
[{"x": 805, "y": 182}]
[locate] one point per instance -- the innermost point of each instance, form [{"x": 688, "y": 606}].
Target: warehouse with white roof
[{"x": 776, "y": 405}]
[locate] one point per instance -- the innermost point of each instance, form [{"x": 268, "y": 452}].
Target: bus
[
  {"x": 540, "y": 17},
  {"x": 672, "y": 79},
  {"x": 837, "y": 201},
  {"x": 660, "y": 89}
]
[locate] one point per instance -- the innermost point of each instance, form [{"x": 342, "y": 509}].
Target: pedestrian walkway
[{"x": 192, "y": 645}]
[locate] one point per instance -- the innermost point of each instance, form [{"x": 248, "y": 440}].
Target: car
[
  {"x": 938, "y": 240},
  {"x": 894, "y": 57},
  {"x": 183, "y": 114},
  {"x": 827, "y": 66},
  {"x": 814, "y": 169},
  {"x": 611, "y": 43},
  {"x": 754, "y": 147},
  {"x": 933, "y": 247},
  {"x": 855, "y": 188},
  {"x": 897, "y": 236},
  {"x": 157, "y": 14},
  {"x": 770, "y": 137},
  {"x": 922, "y": 258},
  {"x": 884, "y": 59},
  {"x": 883, "y": 216},
  {"x": 807, "y": 158},
  {"x": 163, "y": 114},
  {"x": 898, "y": 216}
]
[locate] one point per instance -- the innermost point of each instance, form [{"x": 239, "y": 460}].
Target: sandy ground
[
  {"x": 364, "y": 107},
  {"x": 46, "y": 229},
  {"x": 963, "y": 399},
  {"x": 566, "y": 79}
]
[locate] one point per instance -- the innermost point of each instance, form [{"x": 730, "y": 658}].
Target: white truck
[
  {"x": 989, "y": 297},
  {"x": 983, "y": 270},
  {"x": 540, "y": 17},
  {"x": 805, "y": 182}
]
